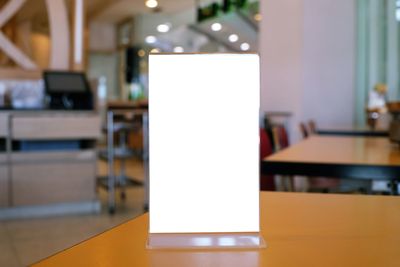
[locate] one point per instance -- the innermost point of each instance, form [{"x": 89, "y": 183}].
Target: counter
[{"x": 47, "y": 162}]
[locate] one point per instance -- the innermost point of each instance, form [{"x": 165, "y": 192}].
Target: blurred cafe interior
[{"x": 73, "y": 114}]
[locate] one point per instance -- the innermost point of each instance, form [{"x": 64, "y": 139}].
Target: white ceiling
[
  {"x": 108, "y": 10},
  {"x": 174, "y": 11},
  {"x": 117, "y": 10}
]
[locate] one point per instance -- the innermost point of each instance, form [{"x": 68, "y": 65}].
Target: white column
[
  {"x": 393, "y": 52},
  {"x": 59, "y": 32},
  {"x": 362, "y": 59},
  {"x": 78, "y": 26},
  {"x": 375, "y": 41}
]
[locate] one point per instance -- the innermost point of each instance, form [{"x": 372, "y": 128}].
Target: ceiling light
[
  {"x": 141, "y": 53},
  {"x": 178, "y": 49},
  {"x": 257, "y": 17},
  {"x": 151, "y": 3},
  {"x": 151, "y": 39},
  {"x": 163, "y": 28},
  {"x": 216, "y": 26},
  {"x": 233, "y": 38},
  {"x": 244, "y": 46},
  {"x": 155, "y": 50}
]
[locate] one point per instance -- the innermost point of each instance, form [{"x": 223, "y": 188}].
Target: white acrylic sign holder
[{"x": 204, "y": 151}]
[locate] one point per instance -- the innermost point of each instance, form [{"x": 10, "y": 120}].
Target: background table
[
  {"x": 300, "y": 230},
  {"x": 353, "y": 131},
  {"x": 371, "y": 158}
]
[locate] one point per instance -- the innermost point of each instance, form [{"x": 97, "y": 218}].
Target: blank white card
[{"x": 203, "y": 130}]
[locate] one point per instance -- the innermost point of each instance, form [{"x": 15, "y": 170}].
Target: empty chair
[
  {"x": 282, "y": 136},
  {"x": 266, "y": 181},
  {"x": 318, "y": 184},
  {"x": 281, "y": 141},
  {"x": 323, "y": 184},
  {"x": 303, "y": 130},
  {"x": 312, "y": 127},
  {"x": 275, "y": 139}
]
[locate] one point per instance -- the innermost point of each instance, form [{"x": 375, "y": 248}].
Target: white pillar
[
  {"x": 78, "y": 26},
  {"x": 393, "y": 51},
  {"x": 375, "y": 44}
]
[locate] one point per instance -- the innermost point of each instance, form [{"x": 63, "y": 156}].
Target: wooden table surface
[
  {"x": 300, "y": 230},
  {"x": 120, "y": 104},
  {"x": 340, "y": 157},
  {"x": 340, "y": 149}
]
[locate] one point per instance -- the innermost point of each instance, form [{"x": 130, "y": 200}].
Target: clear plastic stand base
[{"x": 206, "y": 241}]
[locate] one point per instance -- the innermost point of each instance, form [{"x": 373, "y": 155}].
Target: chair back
[
  {"x": 265, "y": 145},
  {"x": 267, "y": 182},
  {"x": 312, "y": 127},
  {"x": 282, "y": 136},
  {"x": 303, "y": 130}
]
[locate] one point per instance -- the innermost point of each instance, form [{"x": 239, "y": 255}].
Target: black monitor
[{"x": 68, "y": 90}]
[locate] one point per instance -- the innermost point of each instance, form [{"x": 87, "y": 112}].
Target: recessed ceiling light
[
  {"x": 151, "y": 3},
  {"x": 244, "y": 46},
  {"x": 179, "y": 49},
  {"x": 257, "y": 17},
  {"x": 216, "y": 26},
  {"x": 155, "y": 50},
  {"x": 233, "y": 38},
  {"x": 141, "y": 53},
  {"x": 151, "y": 39},
  {"x": 163, "y": 27}
]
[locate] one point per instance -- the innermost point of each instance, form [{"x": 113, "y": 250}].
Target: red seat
[
  {"x": 282, "y": 136},
  {"x": 265, "y": 144},
  {"x": 266, "y": 181},
  {"x": 323, "y": 183},
  {"x": 281, "y": 141}
]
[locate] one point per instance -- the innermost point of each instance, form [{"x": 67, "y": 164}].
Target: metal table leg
[
  {"x": 110, "y": 156},
  {"x": 394, "y": 189}
]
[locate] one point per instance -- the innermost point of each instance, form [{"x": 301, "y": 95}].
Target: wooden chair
[
  {"x": 312, "y": 127},
  {"x": 282, "y": 136},
  {"x": 281, "y": 141},
  {"x": 303, "y": 130},
  {"x": 318, "y": 184},
  {"x": 267, "y": 182}
]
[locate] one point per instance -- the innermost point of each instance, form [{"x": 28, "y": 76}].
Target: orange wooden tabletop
[
  {"x": 300, "y": 230},
  {"x": 341, "y": 150}
]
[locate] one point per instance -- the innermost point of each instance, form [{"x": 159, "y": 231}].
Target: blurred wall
[
  {"x": 281, "y": 45},
  {"x": 41, "y": 49},
  {"x": 308, "y": 59},
  {"x": 106, "y": 65}
]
